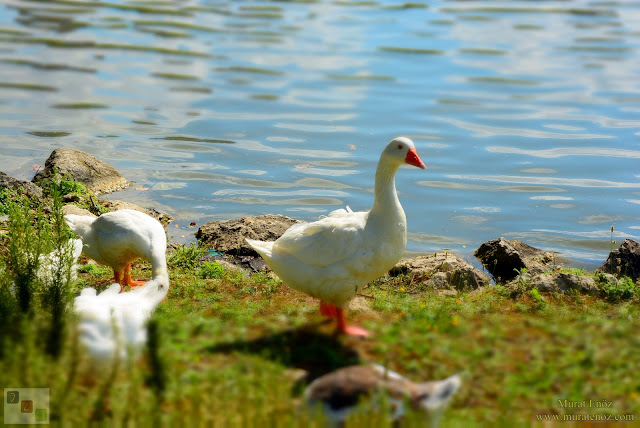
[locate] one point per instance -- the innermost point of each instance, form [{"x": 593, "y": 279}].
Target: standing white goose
[
  {"x": 342, "y": 391},
  {"x": 333, "y": 258},
  {"x": 118, "y": 238}
]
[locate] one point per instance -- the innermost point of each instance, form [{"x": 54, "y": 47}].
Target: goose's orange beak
[{"x": 413, "y": 159}]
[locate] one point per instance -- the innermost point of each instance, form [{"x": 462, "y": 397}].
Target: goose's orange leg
[
  {"x": 127, "y": 278},
  {"x": 328, "y": 310},
  {"x": 333, "y": 311},
  {"x": 117, "y": 278}
]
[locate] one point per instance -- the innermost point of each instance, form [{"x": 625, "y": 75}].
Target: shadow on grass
[{"x": 302, "y": 348}]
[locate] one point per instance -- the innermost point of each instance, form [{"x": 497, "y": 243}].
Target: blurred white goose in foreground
[
  {"x": 333, "y": 258},
  {"x": 113, "y": 324},
  {"x": 118, "y": 238},
  {"x": 340, "y": 392}
]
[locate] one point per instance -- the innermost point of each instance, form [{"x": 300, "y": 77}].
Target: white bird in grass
[
  {"x": 341, "y": 392},
  {"x": 118, "y": 238},
  {"x": 333, "y": 258},
  {"x": 50, "y": 263},
  {"x": 113, "y": 324}
]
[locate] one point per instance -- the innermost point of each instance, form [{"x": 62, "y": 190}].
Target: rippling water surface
[{"x": 527, "y": 114}]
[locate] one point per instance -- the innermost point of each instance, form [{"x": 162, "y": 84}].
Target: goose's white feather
[
  {"x": 117, "y": 238},
  {"x": 113, "y": 324},
  {"x": 334, "y": 257},
  {"x": 50, "y": 263}
]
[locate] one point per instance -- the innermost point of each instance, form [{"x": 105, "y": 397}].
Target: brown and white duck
[{"x": 341, "y": 392}]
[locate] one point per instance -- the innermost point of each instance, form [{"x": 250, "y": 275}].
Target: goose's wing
[
  {"x": 115, "y": 222},
  {"x": 330, "y": 240}
]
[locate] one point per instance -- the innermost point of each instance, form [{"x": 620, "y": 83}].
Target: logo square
[
  {"x": 26, "y": 406},
  {"x": 42, "y": 415},
  {"x": 13, "y": 397}
]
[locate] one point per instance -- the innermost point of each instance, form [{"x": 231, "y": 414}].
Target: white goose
[
  {"x": 50, "y": 264},
  {"x": 333, "y": 258},
  {"x": 118, "y": 238},
  {"x": 113, "y": 324},
  {"x": 341, "y": 392}
]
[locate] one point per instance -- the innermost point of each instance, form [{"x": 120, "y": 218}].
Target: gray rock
[
  {"x": 439, "y": 281},
  {"x": 624, "y": 261},
  {"x": 115, "y": 205},
  {"x": 441, "y": 271},
  {"x": 504, "y": 258},
  {"x": 543, "y": 282},
  {"x": 26, "y": 186},
  {"x": 555, "y": 282},
  {"x": 228, "y": 236},
  {"x": 571, "y": 282},
  {"x": 96, "y": 175},
  {"x": 163, "y": 218},
  {"x": 76, "y": 210}
]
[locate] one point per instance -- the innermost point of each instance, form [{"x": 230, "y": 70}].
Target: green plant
[
  {"x": 574, "y": 271},
  {"x": 72, "y": 190},
  {"x": 62, "y": 186},
  {"x": 537, "y": 296},
  {"x": 523, "y": 276},
  {"x": 94, "y": 270},
  {"x": 500, "y": 289},
  {"x": 157, "y": 378},
  {"x": 26, "y": 245},
  {"x": 37, "y": 268},
  {"x": 186, "y": 257},
  {"x": 624, "y": 289},
  {"x": 211, "y": 270},
  {"x": 56, "y": 295},
  {"x": 611, "y": 244},
  {"x": 6, "y": 195}
]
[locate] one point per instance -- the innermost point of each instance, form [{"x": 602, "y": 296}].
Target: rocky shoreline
[{"x": 513, "y": 264}]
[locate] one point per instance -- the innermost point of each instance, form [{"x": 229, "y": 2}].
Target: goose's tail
[
  {"x": 80, "y": 224},
  {"x": 264, "y": 248}
]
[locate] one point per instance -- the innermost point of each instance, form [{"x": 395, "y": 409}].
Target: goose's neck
[{"x": 386, "y": 202}]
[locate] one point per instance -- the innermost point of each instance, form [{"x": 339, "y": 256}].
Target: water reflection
[
  {"x": 525, "y": 112},
  {"x": 568, "y": 151}
]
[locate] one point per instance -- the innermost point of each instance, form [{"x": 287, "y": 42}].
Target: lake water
[{"x": 527, "y": 114}]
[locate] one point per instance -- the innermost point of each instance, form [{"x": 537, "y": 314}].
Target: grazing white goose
[
  {"x": 333, "y": 258},
  {"x": 113, "y": 324},
  {"x": 340, "y": 392},
  {"x": 118, "y": 238}
]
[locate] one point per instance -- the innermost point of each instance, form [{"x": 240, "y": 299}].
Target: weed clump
[
  {"x": 36, "y": 271},
  {"x": 616, "y": 291},
  {"x": 186, "y": 257},
  {"x": 211, "y": 270},
  {"x": 70, "y": 190}
]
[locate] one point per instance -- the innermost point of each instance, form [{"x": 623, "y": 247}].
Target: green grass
[
  {"x": 228, "y": 340},
  {"x": 229, "y": 346}
]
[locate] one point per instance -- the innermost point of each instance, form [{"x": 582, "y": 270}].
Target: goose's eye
[{"x": 400, "y": 147}]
